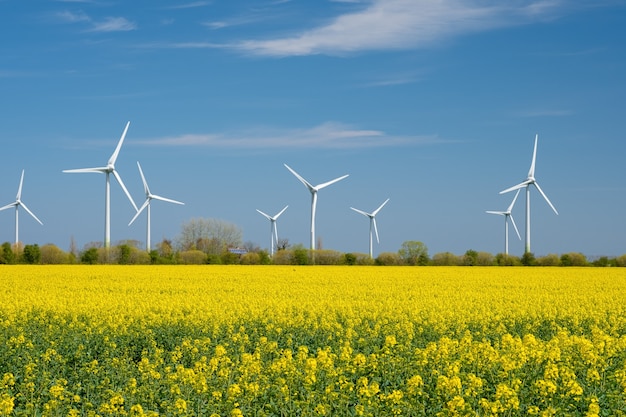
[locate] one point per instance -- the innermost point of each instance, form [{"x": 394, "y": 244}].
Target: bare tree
[{"x": 211, "y": 236}]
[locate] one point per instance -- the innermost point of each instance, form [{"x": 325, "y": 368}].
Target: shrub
[{"x": 192, "y": 257}]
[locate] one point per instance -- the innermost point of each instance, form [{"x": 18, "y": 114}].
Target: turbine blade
[
  {"x": 378, "y": 209},
  {"x": 302, "y": 180},
  {"x": 8, "y": 206},
  {"x": 531, "y": 172},
  {"x": 145, "y": 183},
  {"x": 266, "y": 215},
  {"x": 119, "y": 146},
  {"x": 143, "y": 206},
  {"x": 19, "y": 190},
  {"x": 501, "y": 213},
  {"x": 326, "y": 184},
  {"x": 375, "y": 229},
  {"x": 31, "y": 213},
  {"x": 100, "y": 170},
  {"x": 119, "y": 180},
  {"x": 513, "y": 202},
  {"x": 168, "y": 200},
  {"x": 516, "y": 187},
  {"x": 362, "y": 212},
  {"x": 280, "y": 212},
  {"x": 545, "y": 197},
  {"x": 515, "y": 227}
]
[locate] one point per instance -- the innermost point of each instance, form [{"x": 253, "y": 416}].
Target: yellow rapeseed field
[{"x": 312, "y": 341}]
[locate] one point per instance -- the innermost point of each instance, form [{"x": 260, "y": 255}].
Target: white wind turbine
[
  {"x": 17, "y": 203},
  {"x": 372, "y": 217},
  {"x": 507, "y": 215},
  {"x": 108, "y": 169},
  {"x": 313, "y": 190},
  {"x": 273, "y": 229},
  {"x": 530, "y": 180},
  {"x": 146, "y": 204}
]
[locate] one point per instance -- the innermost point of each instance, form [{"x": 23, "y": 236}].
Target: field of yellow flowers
[{"x": 312, "y": 341}]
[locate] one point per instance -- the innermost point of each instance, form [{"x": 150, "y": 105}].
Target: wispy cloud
[
  {"x": 191, "y": 5},
  {"x": 403, "y": 24},
  {"x": 113, "y": 24},
  {"x": 72, "y": 17},
  {"x": 329, "y": 135},
  {"x": 180, "y": 45},
  {"x": 108, "y": 24},
  {"x": 398, "y": 79}
]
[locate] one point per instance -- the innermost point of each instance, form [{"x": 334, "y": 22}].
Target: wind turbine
[
  {"x": 273, "y": 229},
  {"x": 108, "y": 169},
  {"x": 149, "y": 198},
  {"x": 372, "y": 217},
  {"x": 17, "y": 203},
  {"x": 313, "y": 190},
  {"x": 507, "y": 215},
  {"x": 530, "y": 180}
]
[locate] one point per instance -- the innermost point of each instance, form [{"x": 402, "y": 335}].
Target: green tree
[
  {"x": 528, "y": 259},
  {"x": 470, "y": 258},
  {"x": 573, "y": 259},
  {"x": 619, "y": 261},
  {"x": 124, "y": 254},
  {"x": 551, "y": 259},
  {"x": 503, "y": 259},
  {"x": 446, "y": 259},
  {"x": 250, "y": 258},
  {"x": 90, "y": 256},
  {"x": 414, "y": 252},
  {"x": 300, "y": 255},
  {"x": 485, "y": 259},
  {"x": 264, "y": 257},
  {"x": 52, "y": 254},
  {"x": 349, "y": 258},
  {"x": 192, "y": 257},
  {"x": 31, "y": 254},
  {"x": 8, "y": 256},
  {"x": 388, "y": 259}
]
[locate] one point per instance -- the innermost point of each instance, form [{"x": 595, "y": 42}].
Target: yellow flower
[
  {"x": 180, "y": 405},
  {"x": 6, "y": 405}
]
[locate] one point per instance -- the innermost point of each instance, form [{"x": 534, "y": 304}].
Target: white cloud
[
  {"x": 72, "y": 17},
  {"x": 113, "y": 24},
  {"x": 108, "y": 24},
  {"x": 403, "y": 24},
  {"x": 190, "y": 5},
  {"x": 326, "y": 135}
]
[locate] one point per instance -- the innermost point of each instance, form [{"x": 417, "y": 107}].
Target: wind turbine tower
[
  {"x": 107, "y": 170},
  {"x": 17, "y": 203},
  {"x": 507, "y": 215},
  {"x": 313, "y": 190},
  {"x": 146, "y": 205},
  {"x": 372, "y": 217},
  {"x": 273, "y": 229},
  {"x": 530, "y": 180}
]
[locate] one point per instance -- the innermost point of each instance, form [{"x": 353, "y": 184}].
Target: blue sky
[{"x": 433, "y": 104}]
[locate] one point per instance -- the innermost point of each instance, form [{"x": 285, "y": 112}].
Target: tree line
[{"x": 212, "y": 241}]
